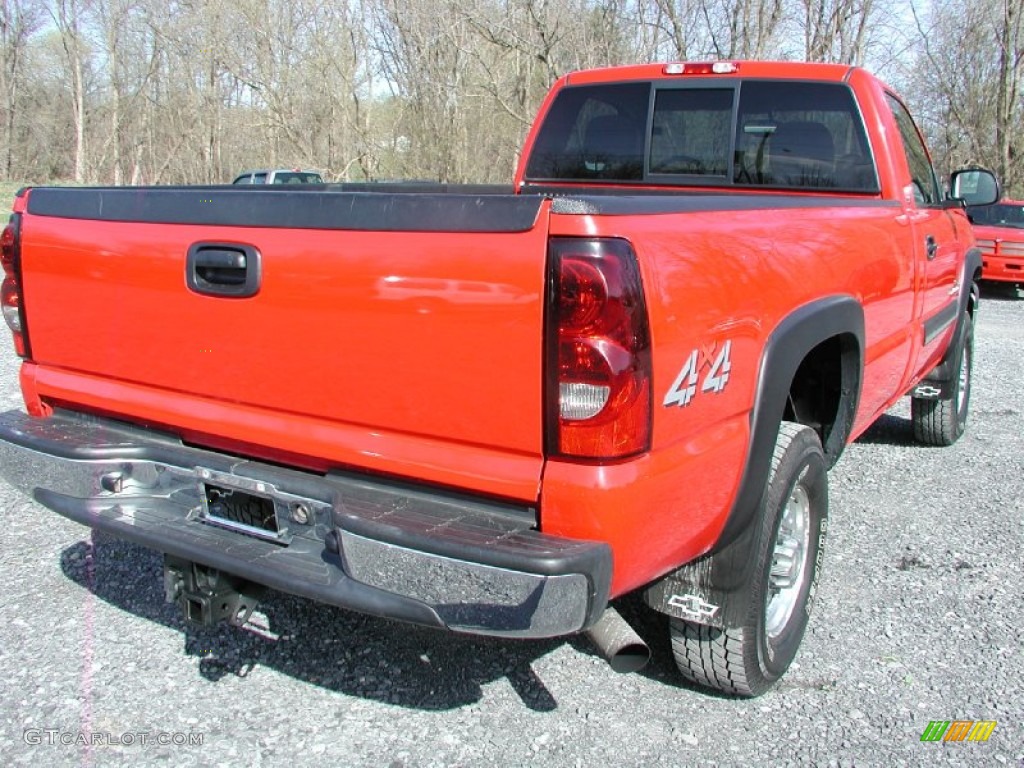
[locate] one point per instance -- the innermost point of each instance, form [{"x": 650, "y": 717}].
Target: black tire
[
  {"x": 941, "y": 422},
  {"x": 746, "y": 659}
]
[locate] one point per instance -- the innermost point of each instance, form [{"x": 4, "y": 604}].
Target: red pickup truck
[
  {"x": 494, "y": 410},
  {"x": 999, "y": 229}
]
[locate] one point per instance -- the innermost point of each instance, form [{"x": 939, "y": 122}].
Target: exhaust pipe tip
[{"x": 618, "y": 643}]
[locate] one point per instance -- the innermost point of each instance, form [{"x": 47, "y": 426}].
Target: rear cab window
[
  {"x": 593, "y": 133},
  {"x": 751, "y": 133}
]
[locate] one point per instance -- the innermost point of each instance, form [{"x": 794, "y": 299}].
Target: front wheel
[
  {"x": 745, "y": 659},
  {"x": 942, "y": 421}
]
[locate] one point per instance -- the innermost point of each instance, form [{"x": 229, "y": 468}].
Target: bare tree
[
  {"x": 69, "y": 18},
  {"x": 971, "y": 67},
  {"x": 130, "y": 55},
  {"x": 425, "y": 50},
  {"x": 1010, "y": 72},
  {"x": 745, "y": 29},
  {"x": 189, "y": 91},
  {"x": 300, "y": 70},
  {"x": 680, "y": 21},
  {"x": 19, "y": 20},
  {"x": 837, "y": 30},
  {"x": 522, "y": 43}
]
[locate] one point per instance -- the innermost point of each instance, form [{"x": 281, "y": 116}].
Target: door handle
[
  {"x": 226, "y": 270},
  {"x": 931, "y": 248}
]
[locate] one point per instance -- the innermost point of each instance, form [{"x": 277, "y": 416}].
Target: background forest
[{"x": 194, "y": 91}]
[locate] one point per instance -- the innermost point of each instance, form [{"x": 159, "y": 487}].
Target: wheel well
[{"x": 824, "y": 390}]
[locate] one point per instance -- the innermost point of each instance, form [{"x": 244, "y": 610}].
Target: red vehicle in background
[{"x": 999, "y": 230}]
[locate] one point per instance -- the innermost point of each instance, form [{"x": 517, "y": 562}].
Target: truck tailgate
[{"x": 400, "y": 316}]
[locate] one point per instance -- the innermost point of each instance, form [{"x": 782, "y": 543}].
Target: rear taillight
[
  {"x": 11, "y": 301},
  {"x": 598, "y": 351}
]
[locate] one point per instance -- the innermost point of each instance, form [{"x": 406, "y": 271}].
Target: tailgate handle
[{"x": 223, "y": 269}]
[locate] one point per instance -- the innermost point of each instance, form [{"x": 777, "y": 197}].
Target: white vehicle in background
[{"x": 279, "y": 176}]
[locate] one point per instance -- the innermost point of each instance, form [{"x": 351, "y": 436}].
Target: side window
[
  {"x": 259, "y": 178},
  {"x": 691, "y": 131},
  {"x": 926, "y": 187}
]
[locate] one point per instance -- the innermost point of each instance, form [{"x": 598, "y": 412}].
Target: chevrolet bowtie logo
[{"x": 693, "y": 606}]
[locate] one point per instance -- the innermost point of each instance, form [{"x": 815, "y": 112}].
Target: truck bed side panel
[{"x": 729, "y": 281}]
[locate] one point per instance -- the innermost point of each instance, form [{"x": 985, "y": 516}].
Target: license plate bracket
[{"x": 241, "y": 505}]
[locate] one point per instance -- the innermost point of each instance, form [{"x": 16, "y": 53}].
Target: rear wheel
[
  {"x": 942, "y": 421},
  {"x": 745, "y": 659}
]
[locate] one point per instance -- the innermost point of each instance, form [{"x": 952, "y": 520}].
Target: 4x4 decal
[{"x": 684, "y": 389}]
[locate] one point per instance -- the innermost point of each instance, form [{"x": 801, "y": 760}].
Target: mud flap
[
  {"x": 712, "y": 590},
  {"x": 941, "y": 380},
  {"x": 939, "y": 383}
]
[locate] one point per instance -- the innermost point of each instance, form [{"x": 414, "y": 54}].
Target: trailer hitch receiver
[{"x": 207, "y": 596}]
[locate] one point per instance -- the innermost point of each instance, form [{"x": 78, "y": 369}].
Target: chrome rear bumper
[{"x": 402, "y": 552}]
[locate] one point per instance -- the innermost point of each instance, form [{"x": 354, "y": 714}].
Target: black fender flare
[
  {"x": 710, "y": 580},
  {"x": 970, "y": 292}
]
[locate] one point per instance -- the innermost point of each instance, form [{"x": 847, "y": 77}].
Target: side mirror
[{"x": 974, "y": 186}]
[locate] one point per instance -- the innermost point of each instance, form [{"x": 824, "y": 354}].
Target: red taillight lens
[
  {"x": 8, "y": 241},
  {"x": 10, "y": 289},
  {"x": 599, "y": 359}
]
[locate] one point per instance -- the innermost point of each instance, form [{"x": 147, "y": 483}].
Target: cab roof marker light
[{"x": 702, "y": 68}]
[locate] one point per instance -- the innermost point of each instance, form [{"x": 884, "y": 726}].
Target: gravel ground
[{"x": 919, "y": 619}]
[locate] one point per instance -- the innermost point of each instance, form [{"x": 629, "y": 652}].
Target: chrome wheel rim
[{"x": 789, "y": 562}]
